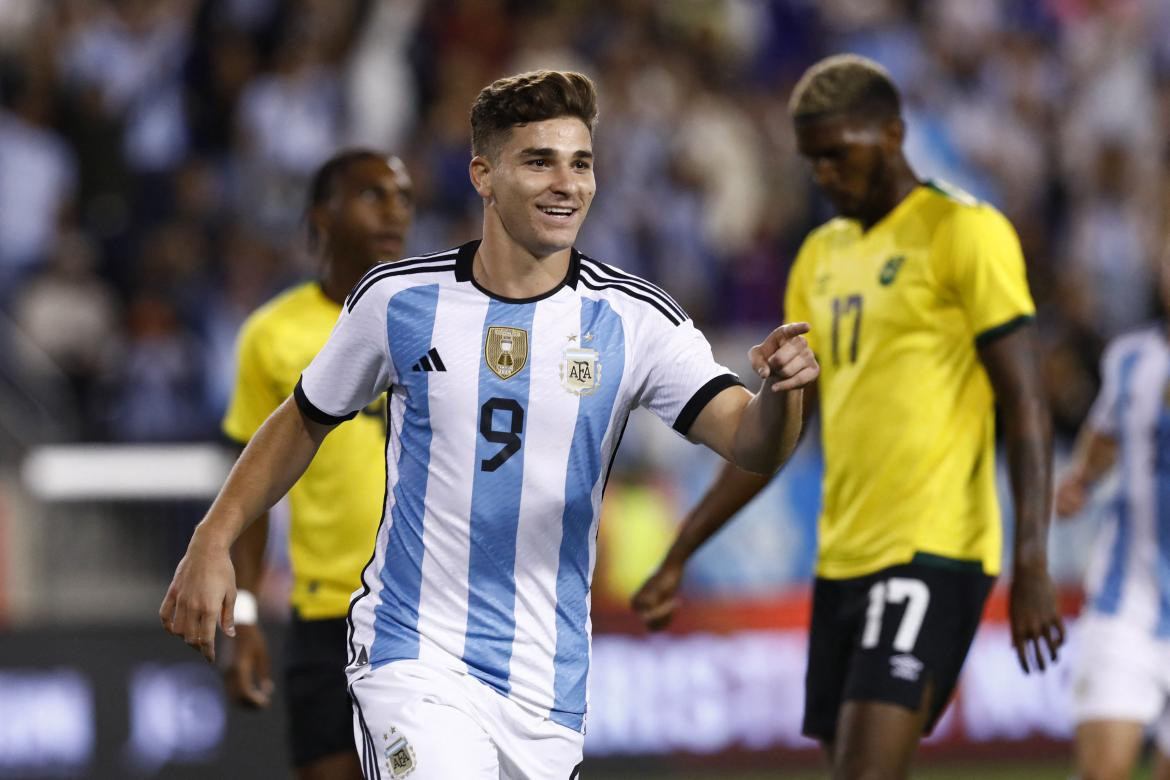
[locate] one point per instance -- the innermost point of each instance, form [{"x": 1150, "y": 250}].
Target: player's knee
[
  {"x": 863, "y": 765},
  {"x": 862, "y": 771},
  {"x": 1105, "y": 769}
]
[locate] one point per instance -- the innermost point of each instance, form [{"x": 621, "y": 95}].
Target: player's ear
[
  {"x": 318, "y": 224},
  {"x": 480, "y": 170},
  {"x": 893, "y": 133}
]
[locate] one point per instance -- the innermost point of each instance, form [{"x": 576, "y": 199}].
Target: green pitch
[{"x": 979, "y": 771}]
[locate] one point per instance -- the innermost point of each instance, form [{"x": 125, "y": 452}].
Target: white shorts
[
  {"x": 414, "y": 719},
  {"x": 1121, "y": 672}
]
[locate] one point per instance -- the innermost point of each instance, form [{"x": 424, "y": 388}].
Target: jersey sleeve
[
  {"x": 682, "y": 375},
  {"x": 352, "y": 369},
  {"x": 797, "y": 307},
  {"x": 1105, "y": 414},
  {"x": 985, "y": 267},
  {"x": 256, "y": 393}
]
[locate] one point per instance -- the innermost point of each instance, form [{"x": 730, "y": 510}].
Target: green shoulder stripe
[
  {"x": 999, "y": 331},
  {"x": 949, "y": 190}
]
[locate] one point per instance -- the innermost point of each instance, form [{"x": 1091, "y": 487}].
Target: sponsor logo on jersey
[
  {"x": 400, "y": 758},
  {"x": 905, "y": 667},
  {"x": 580, "y": 370},
  {"x": 890, "y": 270},
  {"x": 506, "y": 350}
]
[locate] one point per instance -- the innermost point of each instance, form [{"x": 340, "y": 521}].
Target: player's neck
[
  {"x": 898, "y": 185},
  {"x": 334, "y": 290},
  {"x": 337, "y": 278},
  {"x": 505, "y": 268}
]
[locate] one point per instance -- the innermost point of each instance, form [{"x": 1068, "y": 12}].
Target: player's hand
[
  {"x": 1071, "y": 496},
  {"x": 785, "y": 357},
  {"x": 1035, "y": 619},
  {"x": 657, "y": 599},
  {"x": 246, "y": 676},
  {"x": 202, "y": 592}
]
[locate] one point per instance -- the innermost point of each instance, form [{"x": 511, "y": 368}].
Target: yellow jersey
[
  {"x": 337, "y": 504},
  {"x": 907, "y": 410}
]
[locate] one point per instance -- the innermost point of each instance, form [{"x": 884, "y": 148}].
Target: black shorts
[
  {"x": 884, "y": 636},
  {"x": 320, "y": 713}
]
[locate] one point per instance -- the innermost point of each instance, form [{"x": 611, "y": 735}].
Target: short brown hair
[
  {"x": 845, "y": 84},
  {"x": 529, "y": 97}
]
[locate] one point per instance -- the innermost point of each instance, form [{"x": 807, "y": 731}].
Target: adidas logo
[
  {"x": 363, "y": 658},
  {"x": 430, "y": 362}
]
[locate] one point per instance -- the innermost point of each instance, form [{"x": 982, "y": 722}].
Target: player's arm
[
  {"x": 655, "y": 600},
  {"x": 758, "y": 432},
  {"x": 1012, "y": 364},
  {"x": 1094, "y": 456},
  {"x": 256, "y": 395},
  {"x": 247, "y": 675},
  {"x": 204, "y": 589}
]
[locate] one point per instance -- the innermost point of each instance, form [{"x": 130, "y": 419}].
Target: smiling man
[{"x": 510, "y": 366}]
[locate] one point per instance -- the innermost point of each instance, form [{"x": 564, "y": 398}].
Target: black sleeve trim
[
  {"x": 699, "y": 401},
  {"x": 313, "y": 413},
  {"x": 999, "y": 331}
]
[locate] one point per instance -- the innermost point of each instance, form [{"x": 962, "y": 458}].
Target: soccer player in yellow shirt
[
  {"x": 922, "y": 320},
  {"x": 359, "y": 210}
]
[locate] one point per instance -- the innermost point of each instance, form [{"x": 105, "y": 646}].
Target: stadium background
[{"x": 153, "y": 159}]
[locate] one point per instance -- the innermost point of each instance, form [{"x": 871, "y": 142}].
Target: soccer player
[
  {"x": 921, "y": 317},
  {"x": 359, "y": 210},
  {"x": 1121, "y": 677},
  {"x": 511, "y": 364}
]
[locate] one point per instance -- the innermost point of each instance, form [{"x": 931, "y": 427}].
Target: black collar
[{"x": 463, "y": 273}]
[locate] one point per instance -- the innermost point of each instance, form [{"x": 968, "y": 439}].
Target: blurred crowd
[{"x": 154, "y": 156}]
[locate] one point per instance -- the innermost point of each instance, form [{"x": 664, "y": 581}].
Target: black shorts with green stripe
[{"x": 887, "y": 635}]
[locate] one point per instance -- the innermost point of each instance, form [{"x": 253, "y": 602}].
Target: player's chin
[{"x": 549, "y": 241}]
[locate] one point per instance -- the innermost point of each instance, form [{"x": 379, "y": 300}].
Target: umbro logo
[
  {"x": 430, "y": 362},
  {"x": 905, "y": 667}
]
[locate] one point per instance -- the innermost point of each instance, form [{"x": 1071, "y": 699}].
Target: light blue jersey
[
  {"x": 1130, "y": 573},
  {"x": 504, "y": 419}
]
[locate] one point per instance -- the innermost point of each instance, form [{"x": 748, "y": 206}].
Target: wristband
[{"x": 247, "y": 612}]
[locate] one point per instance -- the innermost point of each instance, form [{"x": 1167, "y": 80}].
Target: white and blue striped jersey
[
  {"x": 1130, "y": 574},
  {"x": 504, "y": 416}
]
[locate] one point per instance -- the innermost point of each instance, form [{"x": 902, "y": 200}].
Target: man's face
[
  {"x": 541, "y": 183},
  {"x": 367, "y": 218},
  {"x": 848, "y": 157}
]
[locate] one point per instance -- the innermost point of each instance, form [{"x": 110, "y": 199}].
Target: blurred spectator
[
  {"x": 156, "y": 395},
  {"x": 1108, "y": 243},
  {"x": 289, "y": 121},
  {"x": 130, "y": 52},
  {"x": 38, "y": 177},
  {"x": 382, "y": 97},
  {"x": 69, "y": 314}
]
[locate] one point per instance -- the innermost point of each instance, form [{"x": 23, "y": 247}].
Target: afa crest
[
  {"x": 580, "y": 370},
  {"x": 399, "y": 754},
  {"x": 505, "y": 350}
]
